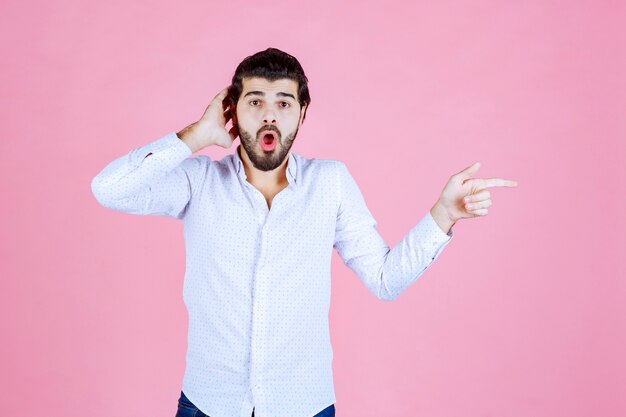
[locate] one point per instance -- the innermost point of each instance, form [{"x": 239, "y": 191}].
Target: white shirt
[{"x": 257, "y": 280}]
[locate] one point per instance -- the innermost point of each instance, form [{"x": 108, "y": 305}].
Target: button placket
[
  {"x": 260, "y": 311},
  {"x": 260, "y": 322}
]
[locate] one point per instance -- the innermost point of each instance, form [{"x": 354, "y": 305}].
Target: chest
[
  {"x": 241, "y": 219},
  {"x": 269, "y": 193}
]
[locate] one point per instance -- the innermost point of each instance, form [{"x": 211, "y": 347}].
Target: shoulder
[
  {"x": 197, "y": 160},
  {"x": 196, "y": 168},
  {"x": 320, "y": 170},
  {"x": 319, "y": 165},
  {"x": 196, "y": 164}
]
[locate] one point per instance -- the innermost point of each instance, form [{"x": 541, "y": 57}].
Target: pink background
[{"x": 522, "y": 315}]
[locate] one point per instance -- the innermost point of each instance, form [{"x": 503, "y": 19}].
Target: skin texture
[
  {"x": 267, "y": 105},
  {"x": 464, "y": 197},
  {"x": 262, "y": 111}
]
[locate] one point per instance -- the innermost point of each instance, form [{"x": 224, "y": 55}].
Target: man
[{"x": 260, "y": 225}]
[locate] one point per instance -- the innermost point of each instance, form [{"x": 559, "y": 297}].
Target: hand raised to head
[{"x": 211, "y": 128}]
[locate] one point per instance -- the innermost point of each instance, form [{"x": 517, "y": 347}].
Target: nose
[{"x": 269, "y": 117}]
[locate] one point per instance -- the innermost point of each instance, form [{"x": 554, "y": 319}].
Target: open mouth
[{"x": 268, "y": 140}]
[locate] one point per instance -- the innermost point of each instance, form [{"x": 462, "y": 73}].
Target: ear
[
  {"x": 302, "y": 115},
  {"x": 233, "y": 111}
]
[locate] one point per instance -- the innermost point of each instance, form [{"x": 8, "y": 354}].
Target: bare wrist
[
  {"x": 186, "y": 135},
  {"x": 441, "y": 217}
]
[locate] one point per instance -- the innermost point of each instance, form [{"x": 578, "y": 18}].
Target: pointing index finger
[{"x": 499, "y": 182}]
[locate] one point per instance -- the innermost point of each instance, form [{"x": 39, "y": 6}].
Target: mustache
[{"x": 269, "y": 128}]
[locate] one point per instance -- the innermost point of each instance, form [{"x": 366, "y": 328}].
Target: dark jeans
[{"x": 187, "y": 409}]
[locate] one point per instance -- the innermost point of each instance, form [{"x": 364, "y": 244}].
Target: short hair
[{"x": 271, "y": 64}]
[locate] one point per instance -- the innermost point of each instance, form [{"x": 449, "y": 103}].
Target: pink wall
[{"x": 524, "y": 313}]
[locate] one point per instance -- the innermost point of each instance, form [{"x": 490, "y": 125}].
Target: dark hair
[{"x": 271, "y": 64}]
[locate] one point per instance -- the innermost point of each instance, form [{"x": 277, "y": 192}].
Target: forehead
[{"x": 270, "y": 88}]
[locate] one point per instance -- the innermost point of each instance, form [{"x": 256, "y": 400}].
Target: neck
[{"x": 264, "y": 179}]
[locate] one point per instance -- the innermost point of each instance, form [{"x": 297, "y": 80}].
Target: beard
[{"x": 266, "y": 160}]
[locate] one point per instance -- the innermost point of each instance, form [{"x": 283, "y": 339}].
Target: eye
[
  {"x": 287, "y": 104},
  {"x": 252, "y": 101}
]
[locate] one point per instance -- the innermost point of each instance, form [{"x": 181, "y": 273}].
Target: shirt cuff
[
  {"x": 432, "y": 224},
  {"x": 168, "y": 150},
  {"x": 434, "y": 237}
]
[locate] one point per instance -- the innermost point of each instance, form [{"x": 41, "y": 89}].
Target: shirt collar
[{"x": 291, "y": 166}]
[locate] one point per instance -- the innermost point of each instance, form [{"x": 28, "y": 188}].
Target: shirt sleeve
[
  {"x": 385, "y": 272},
  {"x": 159, "y": 185}
]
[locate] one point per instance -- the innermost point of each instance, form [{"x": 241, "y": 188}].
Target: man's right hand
[{"x": 211, "y": 128}]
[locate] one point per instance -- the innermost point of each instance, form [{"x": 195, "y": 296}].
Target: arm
[
  {"x": 155, "y": 179},
  {"x": 159, "y": 178},
  {"x": 385, "y": 272}
]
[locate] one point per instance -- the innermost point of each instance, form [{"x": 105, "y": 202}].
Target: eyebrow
[{"x": 261, "y": 93}]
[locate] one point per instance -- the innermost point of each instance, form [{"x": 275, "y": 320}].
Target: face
[{"x": 268, "y": 106}]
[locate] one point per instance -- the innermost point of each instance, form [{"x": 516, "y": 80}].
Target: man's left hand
[{"x": 464, "y": 197}]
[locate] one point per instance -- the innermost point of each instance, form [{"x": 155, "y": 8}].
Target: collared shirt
[{"x": 257, "y": 279}]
